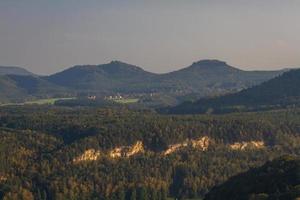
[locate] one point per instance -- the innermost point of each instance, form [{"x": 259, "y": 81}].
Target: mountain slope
[
  {"x": 9, "y": 90},
  {"x": 117, "y": 76},
  {"x": 201, "y": 79},
  {"x": 279, "y": 179},
  {"x": 18, "y": 88},
  {"x": 36, "y": 86},
  {"x": 280, "y": 91},
  {"x": 208, "y": 77},
  {"x": 14, "y": 71}
]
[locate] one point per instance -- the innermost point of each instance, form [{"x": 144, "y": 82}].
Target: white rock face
[
  {"x": 127, "y": 151},
  {"x": 201, "y": 144},
  {"x": 247, "y": 145},
  {"x": 88, "y": 155},
  {"x": 116, "y": 152},
  {"x": 174, "y": 147},
  {"x": 138, "y": 147}
]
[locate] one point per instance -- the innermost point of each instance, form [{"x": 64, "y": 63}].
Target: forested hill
[
  {"x": 114, "y": 75},
  {"x": 201, "y": 79},
  {"x": 4, "y": 70},
  {"x": 210, "y": 77},
  {"x": 279, "y": 92},
  {"x": 19, "y": 88},
  {"x": 9, "y": 90},
  {"x": 279, "y": 179},
  {"x": 206, "y": 77},
  {"x": 54, "y": 153}
]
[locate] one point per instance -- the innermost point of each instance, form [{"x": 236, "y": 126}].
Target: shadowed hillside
[
  {"x": 279, "y": 92},
  {"x": 279, "y": 179},
  {"x": 207, "y": 77},
  {"x": 14, "y": 71},
  {"x": 201, "y": 79}
]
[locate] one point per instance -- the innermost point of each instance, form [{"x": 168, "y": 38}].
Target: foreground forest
[
  {"x": 50, "y": 152},
  {"x": 278, "y": 179}
]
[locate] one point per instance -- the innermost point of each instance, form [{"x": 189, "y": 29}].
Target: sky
[{"x": 47, "y": 36}]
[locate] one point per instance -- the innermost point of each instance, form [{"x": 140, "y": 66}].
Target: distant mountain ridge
[
  {"x": 18, "y": 88},
  {"x": 206, "y": 77},
  {"x": 12, "y": 70},
  {"x": 201, "y": 79},
  {"x": 113, "y": 75},
  {"x": 211, "y": 77},
  {"x": 279, "y": 92}
]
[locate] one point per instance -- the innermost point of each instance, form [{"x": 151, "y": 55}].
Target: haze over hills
[
  {"x": 11, "y": 70},
  {"x": 210, "y": 77},
  {"x": 205, "y": 77},
  {"x": 279, "y": 92},
  {"x": 17, "y": 88},
  {"x": 201, "y": 79},
  {"x": 9, "y": 90},
  {"x": 116, "y": 75}
]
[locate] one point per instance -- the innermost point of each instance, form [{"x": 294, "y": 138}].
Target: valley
[
  {"x": 201, "y": 79},
  {"x": 86, "y": 141},
  {"x": 149, "y": 100}
]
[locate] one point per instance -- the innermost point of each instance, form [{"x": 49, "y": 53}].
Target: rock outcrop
[
  {"x": 174, "y": 147},
  {"x": 247, "y": 145},
  {"x": 116, "y": 152},
  {"x": 138, "y": 147},
  {"x": 127, "y": 151},
  {"x": 201, "y": 144},
  {"x": 88, "y": 155}
]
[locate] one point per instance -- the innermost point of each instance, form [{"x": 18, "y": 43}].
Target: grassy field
[
  {"x": 49, "y": 101},
  {"x": 126, "y": 101}
]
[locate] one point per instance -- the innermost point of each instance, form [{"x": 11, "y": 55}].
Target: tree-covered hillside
[
  {"x": 117, "y": 76},
  {"x": 282, "y": 91},
  {"x": 87, "y": 153},
  {"x": 201, "y": 79},
  {"x": 207, "y": 77},
  {"x": 4, "y": 70},
  {"x": 279, "y": 179},
  {"x": 19, "y": 88}
]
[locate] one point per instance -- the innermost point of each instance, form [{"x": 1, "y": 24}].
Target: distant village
[
  {"x": 115, "y": 97},
  {"x": 119, "y": 96}
]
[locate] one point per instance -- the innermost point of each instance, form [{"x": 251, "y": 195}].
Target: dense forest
[
  {"x": 50, "y": 152},
  {"x": 279, "y": 179},
  {"x": 280, "y": 92}
]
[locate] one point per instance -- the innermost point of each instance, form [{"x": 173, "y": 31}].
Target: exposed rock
[
  {"x": 88, "y": 155},
  {"x": 174, "y": 147},
  {"x": 138, "y": 147},
  {"x": 116, "y": 152},
  {"x": 127, "y": 151},
  {"x": 202, "y": 144},
  {"x": 247, "y": 145}
]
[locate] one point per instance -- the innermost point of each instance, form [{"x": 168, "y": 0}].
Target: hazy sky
[{"x": 46, "y": 36}]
